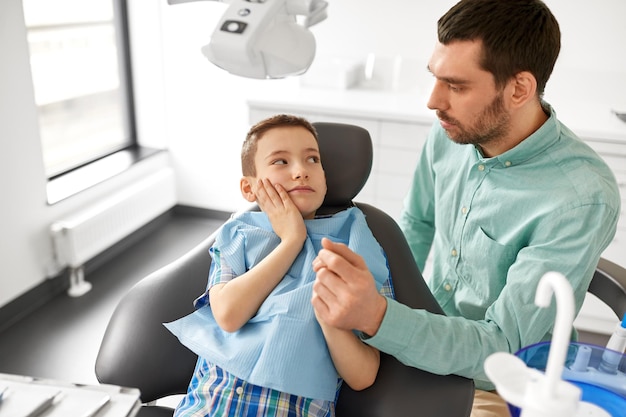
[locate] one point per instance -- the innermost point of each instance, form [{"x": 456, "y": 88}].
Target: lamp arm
[
  {"x": 170, "y": 2},
  {"x": 313, "y": 10}
]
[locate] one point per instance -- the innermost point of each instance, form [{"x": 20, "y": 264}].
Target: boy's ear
[{"x": 245, "y": 185}]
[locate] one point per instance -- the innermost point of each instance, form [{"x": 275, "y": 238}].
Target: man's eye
[{"x": 454, "y": 88}]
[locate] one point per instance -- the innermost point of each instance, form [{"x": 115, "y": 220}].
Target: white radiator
[{"x": 81, "y": 236}]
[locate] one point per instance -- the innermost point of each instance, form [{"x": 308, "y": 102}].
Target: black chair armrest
[
  {"x": 127, "y": 356},
  {"x": 609, "y": 285}
]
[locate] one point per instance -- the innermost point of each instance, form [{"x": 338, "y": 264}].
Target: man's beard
[{"x": 490, "y": 126}]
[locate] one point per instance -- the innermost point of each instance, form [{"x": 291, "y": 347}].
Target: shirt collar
[{"x": 529, "y": 148}]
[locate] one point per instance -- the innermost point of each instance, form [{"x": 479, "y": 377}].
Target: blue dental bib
[{"x": 282, "y": 347}]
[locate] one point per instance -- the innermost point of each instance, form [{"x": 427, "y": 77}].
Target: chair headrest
[{"x": 346, "y": 153}]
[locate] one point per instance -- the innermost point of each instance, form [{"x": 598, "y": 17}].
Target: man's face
[
  {"x": 290, "y": 156},
  {"x": 469, "y": 107}
]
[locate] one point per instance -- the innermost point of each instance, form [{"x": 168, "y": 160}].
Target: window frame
[{"x": 89, "y": 172}]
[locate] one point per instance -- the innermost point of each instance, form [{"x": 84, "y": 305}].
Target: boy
[{"x": 261, "y": 350}]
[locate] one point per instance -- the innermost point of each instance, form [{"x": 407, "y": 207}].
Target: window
[{"x": 80, "y": 66}]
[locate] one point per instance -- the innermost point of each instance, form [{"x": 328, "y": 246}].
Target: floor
[{"x": 61, "y": 340}]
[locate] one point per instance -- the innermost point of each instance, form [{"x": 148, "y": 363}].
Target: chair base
[{"x": 155, "y": 411}]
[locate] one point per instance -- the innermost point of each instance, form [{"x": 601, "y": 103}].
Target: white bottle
[{"x": 615, "y": 349}]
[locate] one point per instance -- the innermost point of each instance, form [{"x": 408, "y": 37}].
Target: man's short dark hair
[{"x": 516, "y": 35}]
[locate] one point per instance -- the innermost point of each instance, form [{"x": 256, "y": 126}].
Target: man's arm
[{"x": 458, "y": 345}]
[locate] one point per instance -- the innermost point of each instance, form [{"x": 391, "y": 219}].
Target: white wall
[
  {"x": 207, "y": 112},
  {"x": 200, "y": 113},
  {"x": 206, "y": 107},
  {"x": 22, "y": 178},
  {"x": 26, "y": 256}
]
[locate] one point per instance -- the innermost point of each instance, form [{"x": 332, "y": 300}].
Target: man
[{"x": 502, "y": 193}]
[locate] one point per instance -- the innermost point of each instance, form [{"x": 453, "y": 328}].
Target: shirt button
[
  {"x": 454, "y": 252},
  {"x": 507, "y": 164},
  {"x": 447, "y": 287},
  {"x": 239, "y": 390},
  {"x": 464, "y": 210},
  {"x": 481, "y": 167}
]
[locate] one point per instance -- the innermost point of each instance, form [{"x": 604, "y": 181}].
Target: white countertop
[{"x": 373, "y": 104}]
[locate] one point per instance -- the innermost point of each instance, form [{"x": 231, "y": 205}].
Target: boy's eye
[
  {"x": 279, "y": 162},
  {"x": 314, "y": 159}
]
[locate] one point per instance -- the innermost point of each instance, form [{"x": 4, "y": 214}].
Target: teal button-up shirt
[{"x": 496, "y": 226}]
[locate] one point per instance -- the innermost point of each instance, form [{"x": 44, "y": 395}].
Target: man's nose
[{"x": 438, "y": 97}]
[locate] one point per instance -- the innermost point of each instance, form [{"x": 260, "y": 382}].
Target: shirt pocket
[{"x": 484, "y": 266}]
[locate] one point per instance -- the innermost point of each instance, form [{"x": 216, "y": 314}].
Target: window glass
[{"x": 79, "y": 69}]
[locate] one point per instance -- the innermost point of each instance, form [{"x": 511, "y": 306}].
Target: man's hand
[{"x": 344, "y": 292}]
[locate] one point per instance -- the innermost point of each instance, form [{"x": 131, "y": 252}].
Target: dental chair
[
  {"x": 609, "y": 285},
  {"x": 138, "y": 351}
]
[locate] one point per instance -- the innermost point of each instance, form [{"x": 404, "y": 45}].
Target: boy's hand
[{"x": 283, "y": 214}]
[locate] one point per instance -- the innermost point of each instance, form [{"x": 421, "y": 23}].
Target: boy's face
[{"x": 290, "y": 156}]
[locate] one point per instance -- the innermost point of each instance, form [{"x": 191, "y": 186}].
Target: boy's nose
[{"x": 300, "y": 172}]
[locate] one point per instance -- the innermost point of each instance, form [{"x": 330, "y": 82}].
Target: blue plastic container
[{"x": 606, "y": 390}]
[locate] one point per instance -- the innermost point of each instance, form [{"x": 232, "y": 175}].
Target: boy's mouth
[{"x": 301, "y": 188}]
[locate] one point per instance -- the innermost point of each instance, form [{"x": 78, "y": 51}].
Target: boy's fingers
[{"x": 267, "y": 194}]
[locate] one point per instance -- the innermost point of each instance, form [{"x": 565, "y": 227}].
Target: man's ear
[
  {"x": 524, "y": 88},
  {"x": 245, "y": 185}
]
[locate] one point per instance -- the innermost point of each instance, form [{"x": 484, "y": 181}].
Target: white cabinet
[{"x": 399, "y": 147}]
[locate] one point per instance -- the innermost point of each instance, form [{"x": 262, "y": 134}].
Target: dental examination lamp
[{"x": 265, "y": 38}]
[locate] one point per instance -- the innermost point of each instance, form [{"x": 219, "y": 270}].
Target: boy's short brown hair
[{"x": 256, "y": 132}]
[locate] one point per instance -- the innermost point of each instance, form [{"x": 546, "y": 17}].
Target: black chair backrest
[
  {"x": 138, "y": 351},
  {"x": 609, "y": 285},
  {"x": 346, "y": 152}
]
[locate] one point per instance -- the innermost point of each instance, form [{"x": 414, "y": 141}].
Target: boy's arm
[
  {"x": 356, "y": 362},
  {"x": 235, "y": 302}
]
